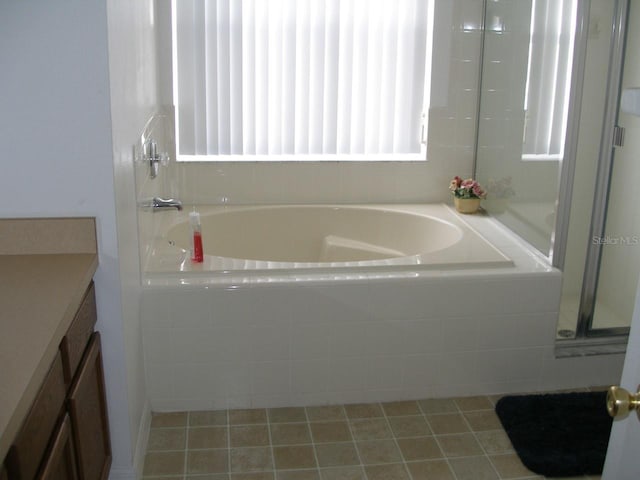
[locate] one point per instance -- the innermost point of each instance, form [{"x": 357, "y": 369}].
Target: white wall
[
  {"x": 55, "y": 132},
  {"x": 132, "y": 62}
]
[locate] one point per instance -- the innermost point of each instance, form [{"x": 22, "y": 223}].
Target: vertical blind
[
  {"x": 298, "y": 77},
  {"x": 549, "y": 77}
]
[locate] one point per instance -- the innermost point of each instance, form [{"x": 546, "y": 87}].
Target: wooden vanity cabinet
[
  {"x": 88, "y": 411},
  {"x": 61, "y": 461},
  {"x": 66, "y": 434}
]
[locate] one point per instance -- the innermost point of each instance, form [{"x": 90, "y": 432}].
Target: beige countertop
[{"x": 39, "y": 296}]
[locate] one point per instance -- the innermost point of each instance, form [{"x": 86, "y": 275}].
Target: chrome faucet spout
[{"x": 157, "y": 203}]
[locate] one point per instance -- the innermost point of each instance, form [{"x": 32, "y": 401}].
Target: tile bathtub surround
[{"x": 441, "y": 439}]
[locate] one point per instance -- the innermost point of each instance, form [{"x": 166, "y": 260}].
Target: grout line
[{"x": 313, "y": 444}]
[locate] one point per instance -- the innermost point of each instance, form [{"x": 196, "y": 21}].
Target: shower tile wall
[{"x": 457, "y": 41}]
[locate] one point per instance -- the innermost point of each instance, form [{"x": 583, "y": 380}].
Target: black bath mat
[{"x": 558, "y": 435}]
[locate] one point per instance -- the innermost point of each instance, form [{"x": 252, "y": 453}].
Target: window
[
  {"x": 553, "y": 27},
  {"x": 300, "y": 79}
]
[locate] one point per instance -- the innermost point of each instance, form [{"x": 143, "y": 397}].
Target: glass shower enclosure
[{"x": 550, "y": 150}]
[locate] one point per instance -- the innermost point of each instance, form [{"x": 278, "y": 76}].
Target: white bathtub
[
  {"x": 425, "y": 308},
  {"x": 323, "y": 237}
]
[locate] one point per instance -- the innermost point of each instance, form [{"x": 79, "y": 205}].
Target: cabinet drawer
[
  {"x": 88, "y": 412},
  {"x": 30, "y": 445},
  {"x": 60, "y": 463},
  {"x": 75, "y": 341}
]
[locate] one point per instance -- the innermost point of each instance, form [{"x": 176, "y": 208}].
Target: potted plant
[{"x": 466, "y": 194}]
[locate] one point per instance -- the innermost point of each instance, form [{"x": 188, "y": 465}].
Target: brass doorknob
[{"x": 620, "y": 402}]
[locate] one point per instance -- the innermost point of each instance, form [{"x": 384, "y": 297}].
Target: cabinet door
[
  {"x": 30, "y": 445},
  {"x": 60, "y": 464},
  {"x": 88, "y": 411}
]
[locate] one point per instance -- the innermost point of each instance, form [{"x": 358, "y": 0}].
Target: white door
[{"x": 623, "y": 455}]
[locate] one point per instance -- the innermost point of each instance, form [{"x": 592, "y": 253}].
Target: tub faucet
[{"x": 157, "y": 203}]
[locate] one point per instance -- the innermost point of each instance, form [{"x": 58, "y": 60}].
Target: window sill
[{"x": 409, "y": 157}]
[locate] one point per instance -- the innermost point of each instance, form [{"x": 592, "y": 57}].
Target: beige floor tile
[
  {"x": 330, "y": 432},
  {"x": 167, "y": 439},
  {"x": 370, "y": 429},
  {"x": 510, "y": 466},
  {"x": 250, "y": 476},
  {"x": 287, "y": 415},
  {"x": 298, "y": 475},
  {"x": 473, "y": 468},
  {"x": 394, "y": 471},
  {"x": 290, "y": 433},
  {"x": 212, "y": 476},
  {"x": 375, "y": 452},
  {"x": 337, "y": 454},
  {"x": 363, "y": 410},
  {"x": 466, "y": 404},
  {"x": 483, "y": 420},
  {"x": 447, "y": 423},
  {"x": 207, "y": 461},
  {"x": 342, "y": 473},
  {"x": 437, "y": 405},
  {"x": 414, "y": 426},
  {"x": 207, "y": 437},
  {"x": 249, "y": 436},
  {"x": 395, "y": 409},
  {"x": 430, "y": 470},
  {"x": 295, "y": 457},
  {"x": 175, "y": 419},
  {"x": 325, "y": 413},
  {"x": 459, "y": 445},
  {"x": 164, "y": 463},
  {"x": 208, "y": 418},
  {"x": 251, "y": 459},
  {"x": 247, "y": 416},
  {"x": 420, "y": 448},
  {"x": 176, "y": 477},
  {"x": 494, "y": 441}
]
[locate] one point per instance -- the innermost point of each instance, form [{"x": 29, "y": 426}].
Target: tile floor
[{"x": 443, "y": 439}]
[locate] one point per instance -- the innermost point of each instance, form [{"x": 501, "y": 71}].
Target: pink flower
[{"x": 478, "y": 191}]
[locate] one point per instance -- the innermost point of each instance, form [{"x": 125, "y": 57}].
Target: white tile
[
  {"x": 271, "y": 342},
  {"x": 420, "y": 372},
  {"x": 384, "y": 372},
  {"x": 461, "y": 334},
  {"x": 309, "y": 376},
  {"x": 158, "y": 345},
  {"x": 509, "y": 365},
  {"x": 192, "y": 380},
  {"x": 310, "y": 341},
  {"x": 231, "y": 379},
  {"x": 231, "y": 343},
  {"x": 385, "y": 338},
  {"x": 424, "y": 336},
  {"x": 458, "y": 368},
  {"x": 347, "y": 340},
  {"x": 192, "y": 345},
  {"x": 158, "y": 381},
  {"x": 271, "y": 378},
  {"x": 347, "y": 374}
]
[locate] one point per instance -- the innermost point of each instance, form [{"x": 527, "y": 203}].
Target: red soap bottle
[{"x": 197, "y": 254}]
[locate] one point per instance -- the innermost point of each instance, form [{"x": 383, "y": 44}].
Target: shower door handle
[{"x": 620, "y": 402}]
